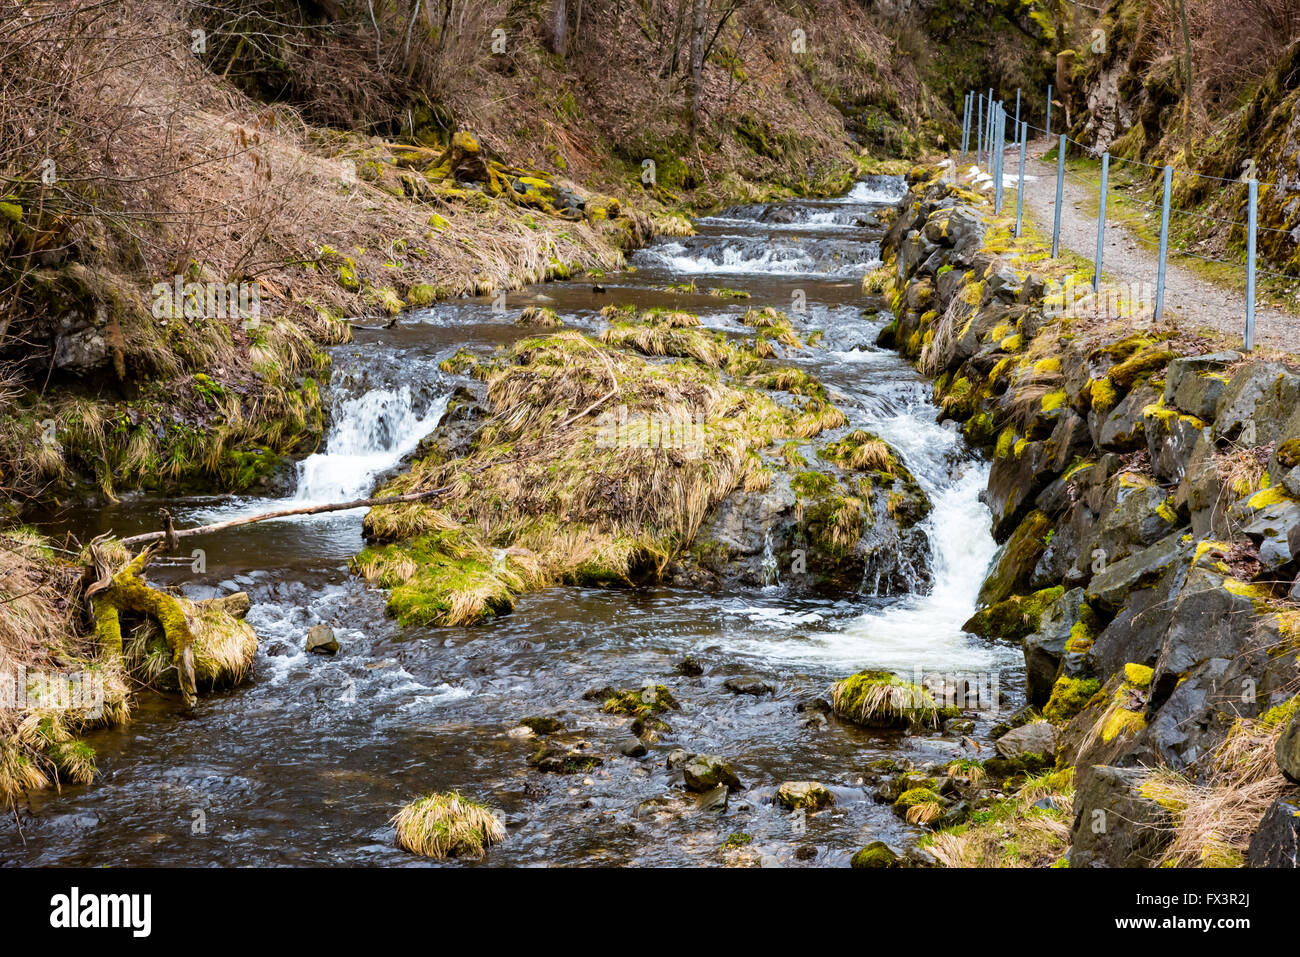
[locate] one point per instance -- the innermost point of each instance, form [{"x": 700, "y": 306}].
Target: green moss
[
  {"x": 1069, "y": 697},
  {"x": 639, "y": 702},
  {"x": 882, "y": 699},
  {"x": 1013, "y": 618}
]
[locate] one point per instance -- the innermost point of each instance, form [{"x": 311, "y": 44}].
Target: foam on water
[{"x": 370, "y": 434}]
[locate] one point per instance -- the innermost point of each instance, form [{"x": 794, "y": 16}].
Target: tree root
[{"x": 125, "y": 590}]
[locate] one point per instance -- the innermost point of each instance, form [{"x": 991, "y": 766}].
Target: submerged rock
[{"x": 747, "y": 684}]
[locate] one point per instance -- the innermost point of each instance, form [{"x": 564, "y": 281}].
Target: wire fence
[{"x": 984, "y": 127}]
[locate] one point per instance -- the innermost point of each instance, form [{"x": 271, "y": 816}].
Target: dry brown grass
[{"x": 1214, "y": 821}]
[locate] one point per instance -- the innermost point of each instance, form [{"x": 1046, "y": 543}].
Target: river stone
[
  {"x": 236, "y": 605},
  {"x": 321, "y": 640},
  {"x": 875, "y": 854},
  {"x": 689, "y": 667},
  {"x": 632, "y": 748},
  {"x": 706, "y": 771},
  {"x": 1037, "y": 737},
  {"x": 1277, "y": 840},
  {"x": 677, "y": 757},
  {"x": 804, "y": 794},
  {"x": 1114, "y": 825},
  {"x": 1288, "y": 751},
  {"x": 747, "y": 684}
]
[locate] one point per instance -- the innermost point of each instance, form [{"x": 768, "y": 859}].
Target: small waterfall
[
  {"x": 771, "y": 570},
  {"x": 369, "y": 434}
]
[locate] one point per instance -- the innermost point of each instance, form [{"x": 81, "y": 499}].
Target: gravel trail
[{"x": 1190, "y": 301}]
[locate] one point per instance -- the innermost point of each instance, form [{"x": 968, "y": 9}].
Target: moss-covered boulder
[
  {"x": 875, "y": 854},
  {"x": 880, "y": 699}
]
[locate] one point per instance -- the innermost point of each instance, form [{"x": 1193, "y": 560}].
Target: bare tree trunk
[
  {"x": 697, "y": 63},
  {"x": 559, "y": 27}
]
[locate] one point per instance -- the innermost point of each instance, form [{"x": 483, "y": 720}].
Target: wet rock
[
  {"x": 677, "y": 758},
  {"x": 236, "y": 605},
  {"x": 559, "y": 760},
  {"x": 1015, "y": 565},
  {"x": 648, "y": 727},
  {"x": 1276, "y": 842},
  {"x": 1288, "y": 751},
  {"x": 804, "y": 794},
  {"x": 713, "y": 800},
  {"x": 805, "y": 852},
  {"x": 1114, "y": 824},
  {"x": 632, "y": 748},
  {"x": 321, "y": 640},
  {"x": 959, "y": 726},
  {"x": 704, "y": 772},
  {"x": 875, "y": 854},
  {"x": 1037, "y": 737},
  {"x": 542, "y": 724},
  {"x": 747, "y": 684},
  {"x": 689, "y": 667}
]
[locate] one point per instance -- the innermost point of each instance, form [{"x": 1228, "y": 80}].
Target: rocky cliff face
[{"x": 1146, "y": 488}]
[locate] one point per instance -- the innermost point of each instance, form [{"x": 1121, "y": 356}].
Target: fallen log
[{"x": 171, "y": 534}]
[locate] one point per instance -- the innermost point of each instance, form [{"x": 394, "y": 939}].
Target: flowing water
[{"x": 305, "y": 764}]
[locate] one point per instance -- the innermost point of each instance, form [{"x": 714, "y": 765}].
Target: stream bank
[
  {"x": 1145, "y": 492},
  {"x": 307, "y": 762}
]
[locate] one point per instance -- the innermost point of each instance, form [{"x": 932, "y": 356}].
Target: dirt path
[{"x": 1189, "y": 300}]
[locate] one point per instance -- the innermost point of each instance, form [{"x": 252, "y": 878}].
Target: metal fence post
[
  {"x": 1164, "y": 243},
  {"x": 1060, "y": 194},
  {"x": 1251, "y": 224},
  {"x": 988, "y": 134},
  {"x": 1049, "y": 111},
  {"x": 1101, "y": 219},
  {"x": 979, "y": 133},
  {"x": 965, "y": 125},
  {"x": 1000, "y": 139},
  {"x": 1015, "y": 130},
  {"x": 1020, "y": 182}
]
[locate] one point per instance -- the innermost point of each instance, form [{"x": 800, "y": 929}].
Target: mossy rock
[
  {"x": 875, "y": 854},
  {"x": 880, "y": 699},
  {"x": 1013, "y": 618},
  {"x": 639, "y": 702}
]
